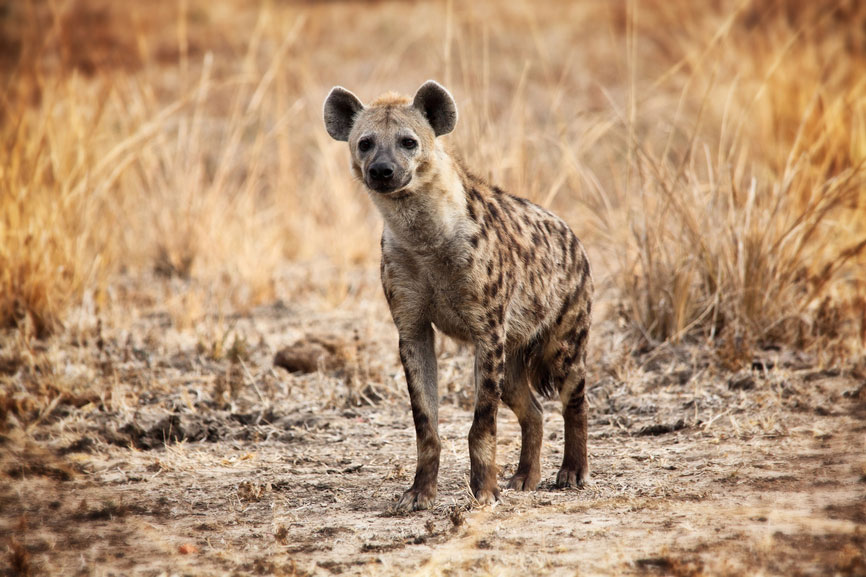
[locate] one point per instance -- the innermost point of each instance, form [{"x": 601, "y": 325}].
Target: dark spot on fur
[
  {"x": 492, "y": 290},
  {"x": 502, "y": 199},
  {"x": 494, "y": 212},
  {"x": 485, "y": 229},
  {"x": 566, "y": 304},
  {"x": 571, "y": 357},
  {"x": 517, "y": 227},
  {"x": 470, "y": 210},
  {"x": 580, "y": 341},
  {"x": 484, "y": 421},
  {"x": 579, "y": 390}
]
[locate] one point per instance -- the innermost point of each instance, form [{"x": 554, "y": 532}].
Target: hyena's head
[{"x": 392, "y": 141}]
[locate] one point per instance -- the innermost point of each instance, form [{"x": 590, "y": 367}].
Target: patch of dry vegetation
[
  {"x": 747, "y": 221},
  {"x": 711, "y": 156}
]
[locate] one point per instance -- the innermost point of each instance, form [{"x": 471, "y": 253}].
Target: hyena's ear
[
  {"x": 438, "y": 106},
  {"x": 341, "y": 107}
]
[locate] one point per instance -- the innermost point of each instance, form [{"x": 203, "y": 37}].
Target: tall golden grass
[
  {"x": 710, "y": 154},
  {"x": 754, "y": 228}
]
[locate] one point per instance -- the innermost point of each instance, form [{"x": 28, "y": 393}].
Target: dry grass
[
  {"x": 753, "y": 228},
  {"x": 711, "y": 157}
]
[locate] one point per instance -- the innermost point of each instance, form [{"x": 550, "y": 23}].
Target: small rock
[
  {"x": 763, "y": 365},
  {"x": 661, "y": 429},
  {"x": 304, "y": 357},
  {"x": 741, "y": 382}
]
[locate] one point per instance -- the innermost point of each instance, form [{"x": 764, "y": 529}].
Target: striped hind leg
[
  {"x": 569, "y": 369},
  {"x": 575, "y": 467}
]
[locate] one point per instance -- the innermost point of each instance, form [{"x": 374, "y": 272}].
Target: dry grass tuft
[
  {"x": 747, "y": 221},
  {"x": 49, "y": 245},
  {"x": 710, "y": 156},
  {"x": 121, "y": 168}
]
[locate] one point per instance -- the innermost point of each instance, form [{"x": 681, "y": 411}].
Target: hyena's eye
[
  {"x": 409, "y": 143},
  {"x": 365, "y": 144}
]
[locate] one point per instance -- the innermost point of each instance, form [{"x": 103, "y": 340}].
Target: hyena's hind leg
[
  {"x": 518, "y": 396},
  {"x": 569, "y": 367},
  {"x": 575, "y": 467}
]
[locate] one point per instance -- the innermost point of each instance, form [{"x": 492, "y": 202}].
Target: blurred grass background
[{"x": 709, "y": 154}]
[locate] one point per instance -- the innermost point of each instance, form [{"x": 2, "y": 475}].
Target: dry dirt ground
[{"x": 183, "y": 451}]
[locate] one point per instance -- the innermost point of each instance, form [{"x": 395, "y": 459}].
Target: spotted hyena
[{"x": 481, "y": 266}]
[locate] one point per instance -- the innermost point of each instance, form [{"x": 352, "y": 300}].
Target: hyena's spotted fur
[{"x": 481, "y": 266}]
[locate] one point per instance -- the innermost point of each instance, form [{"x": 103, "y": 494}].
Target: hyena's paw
[
  {"x": 570, "y": 478},
  {"x": 416, "y": 499},
  {"x": 487, "y": 496},
  {"x": 524, "y": 481}
]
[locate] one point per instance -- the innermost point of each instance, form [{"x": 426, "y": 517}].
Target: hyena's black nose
[{"x": 382, "y": 171}]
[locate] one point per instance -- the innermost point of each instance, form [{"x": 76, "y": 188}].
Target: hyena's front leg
[
  {"x": 418, "y": 354},
  {"x": 489, "y": 378}
]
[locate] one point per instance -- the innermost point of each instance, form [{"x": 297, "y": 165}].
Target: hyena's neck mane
[{"x": 433, "y": 213}]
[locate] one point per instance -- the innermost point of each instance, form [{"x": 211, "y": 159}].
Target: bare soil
[{"x": 184, "y": 451}]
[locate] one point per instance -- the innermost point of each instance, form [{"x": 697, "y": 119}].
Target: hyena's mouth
[{"x": 390, "y": 189}]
